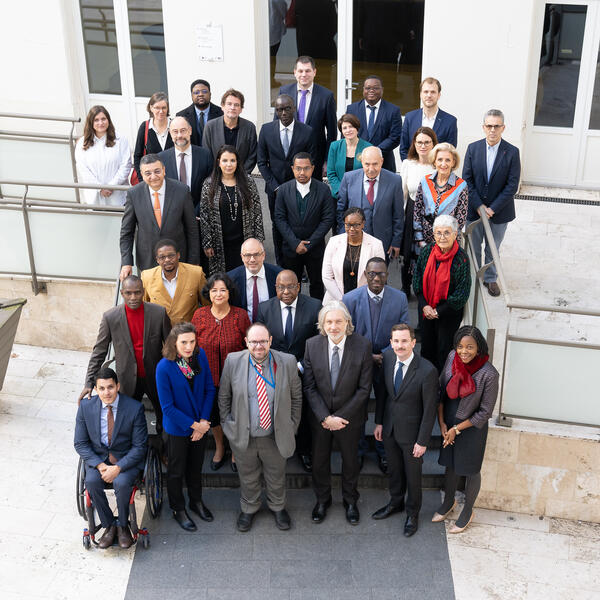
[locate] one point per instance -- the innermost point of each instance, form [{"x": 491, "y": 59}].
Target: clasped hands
[
  {"x": 108, "y": 472},
  {"x": 200, "y": 428},
  {"x": 334, "y": 423},
  {"x": 448, "y": 435},
  {"x": 430, "y": 313}
]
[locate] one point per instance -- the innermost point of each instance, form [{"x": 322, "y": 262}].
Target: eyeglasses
[
  {"x": 444, "y": 234},
  {"x": 163, "y": 257},
  {"x": 491, "y": 127},
  {"x": 200, "y": 92},
  {"x": 255, "y": 343},
  {"x": 428, "y": 143},
  {"x": 372, "y": 88},
  {"x": 253, "y": 255},
  {"x": 373, "y": 274},
  {"x": 286, "y": 288},
  {"x": 302, "y": 169},
  {"x": 354, "y": 225}
]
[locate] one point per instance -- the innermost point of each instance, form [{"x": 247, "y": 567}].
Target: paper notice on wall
[{"x": 210, "y": 42}]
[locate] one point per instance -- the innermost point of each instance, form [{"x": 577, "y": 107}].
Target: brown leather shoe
[
  {"x": 125, "y": 537},
  {"x": 108, "y": 537},
  {"x": 493, "y": 288}
]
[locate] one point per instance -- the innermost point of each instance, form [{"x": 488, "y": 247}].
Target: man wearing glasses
[
  {"x": 201, "y": 110},
  {"x": 260, "y": 402}
]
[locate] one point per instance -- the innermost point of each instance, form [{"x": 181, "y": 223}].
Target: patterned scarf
[{"x": 185, "y": 367}]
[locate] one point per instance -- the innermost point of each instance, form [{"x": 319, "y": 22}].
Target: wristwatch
[{"x": 456, "y": 430}]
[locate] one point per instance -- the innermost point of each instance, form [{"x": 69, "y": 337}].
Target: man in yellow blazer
[{"x": 175, "y": 285}]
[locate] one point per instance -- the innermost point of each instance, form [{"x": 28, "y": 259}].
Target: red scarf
[
  {"x": 436, "y": 281},
  {"x": 461, "y": 383}
]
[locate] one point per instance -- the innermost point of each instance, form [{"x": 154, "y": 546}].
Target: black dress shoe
[
  {"x": 411, "y": 526},
  {"x": 387, "y": 510},
  {"x": 201, "y": 510},
  {"x": 216, "y": 465},
  {"x": 320, "y": 511},
  {"x": 244, "y": 522},
  {"x": 282, "y": 519},
  {"x": 234, "y": 467},
  {"x": 184, "y": 520},
  {"x": 108, "y": 537},
  {"x": 352, "y": 514},
  {"x": 383, "y": 466},
  {"x": 361, "y": 462},
  {"x": 306, "y": 461}
]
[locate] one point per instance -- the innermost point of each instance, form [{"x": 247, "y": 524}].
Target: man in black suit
[
  {"x": 316, "y": 107},
  {"x": 157, "y": 208},
  {"x": 201, "y": 110},
  {"x": 338, "y": 369},
  {"x": 292, "y": 318},
  {"x": 278, "y": 142},
  {"x": 255, "y": 279},
  {"x": 404, "y": 419},
  {"x": 303, "y": 215}
]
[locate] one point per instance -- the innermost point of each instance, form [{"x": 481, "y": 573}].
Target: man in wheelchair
[{"x": 111, "y": 437}]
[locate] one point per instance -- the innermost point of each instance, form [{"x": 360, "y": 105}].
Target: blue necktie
[
  {"x": 288, "y": 326},
  {"x": 398, "y": 378},
  {"x": 371, "y": 122}
]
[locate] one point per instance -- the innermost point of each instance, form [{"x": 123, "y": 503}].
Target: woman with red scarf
[
  {"x": 442, "y": 282},
  {"x": 469, "y": 389}
]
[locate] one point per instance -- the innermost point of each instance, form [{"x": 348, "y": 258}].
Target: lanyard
[{"x": 272, "y": 382}]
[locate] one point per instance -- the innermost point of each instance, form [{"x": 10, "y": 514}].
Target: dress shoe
[
  {"x": 124, "y": 536},
  {"x": 201, "y": 510},
  {"x": 411, "y": 526},
  {"x": 108, "y": 537},
  {"x": 456, "y": 529},
  {"x": 320, "y": 511},
  {"x": 282, "y": 519},
  {"x": 387, "y": 510},
  {"x": 352, "y": 514},
  {"x": 184, "y": 520},
  {"x": 383, "y": 466},
  {"x": 244, "y": 522},
  {"x": 234, "y": 467},
  {"x": 492, "y": 287},
  {"x": 438, "y": 517},
  {"x": 306, "y": 461},
  {"x": 361, "y": 462},
  {"x": 215, "y": 465}
]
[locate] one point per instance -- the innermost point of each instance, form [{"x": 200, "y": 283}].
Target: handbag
[{"x": 134, "y": 179}]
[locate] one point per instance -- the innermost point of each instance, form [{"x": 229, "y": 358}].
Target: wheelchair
[{"x": 149, "y": 484}]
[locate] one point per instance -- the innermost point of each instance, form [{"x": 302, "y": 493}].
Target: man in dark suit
[
  {"x": 137, "y": 331},
  {"x": 111, "y": 438},
  {"x": 379, "y": 193},
  {"x": 315, "y": 107},
  {"x": 303, "y": 215},
  {"x": 375, "y": 308},
  {"x": 492, "y": 171},
  {"x": 278, "y": 142},
  {"x": 255, "y": 279},
  {"x": 157, "y": 208},
  {"x": 383, "y": 125},
  {"x": 403, "y": 420},
  {"x": 338, "y": 369},
  {"x": 431, "y": 115},
  {"x": 232, "y": 130},
  {"x": 292, "y": 319},
  {"x": 201, "y": 110}
]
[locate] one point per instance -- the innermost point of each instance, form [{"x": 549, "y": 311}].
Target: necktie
[
  {"x": 182, "y": 170},
  {"x": 371, "y": 192},
  {"x": 264, "y": 414},
  {"x": 254, "y": 298},
  {"x": 335, "y": 366},
  {"x": 201, "y": 123},
  {"x": 157, "y": 214},
  {"x": 285, "y": 141},
  {"x": 376, "y": 299},
  {"x": 371, "y": 122},
  {"x": 302, "y": 106},
  {"x": 110, "y": 419},
  {"x": 288, "y": 326},
  {"x": 398, "y": 377}
]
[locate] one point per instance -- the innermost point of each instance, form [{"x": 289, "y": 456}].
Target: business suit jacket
[
  {"x": 445, "y": 128},
  {"x": 409, "y": 415},
  {"x": 336, "y": 162},
  {"x": 499, "y": 192},
  {"x": 394, "y": 309},
  {"x": 189, "y": 113},
  {"x": 233, "y": 401},
  {"x": 214, "y": 138},
  {"x": 129, "y": 438},
  {"x": 114, "y": 328},
  {"x": 238, "y": 276},
  {"x": 318, "y": 217},
  {"x": 178, "y": 224},
  {"x": 387, "y": 130},
  {"x": 388, "y": 208},
  {"x": 305, "y": 324},
  {"x": 188, "y": 293}
]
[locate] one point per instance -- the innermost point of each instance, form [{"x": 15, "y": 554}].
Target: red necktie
[
  {"x": 264, "y": 414},
  {"x": 255, "y": 299},
  {"x": 110, "y": 421},
  {"x": 371, "y": 192}
]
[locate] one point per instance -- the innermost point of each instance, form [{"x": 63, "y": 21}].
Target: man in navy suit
[
  {"x": 431, "y": 115},
  {"x": 315, "y": 107},
  {"x": 111, "y": 437},
  {"x": 379, "y": 193},
  {"x": 255, "y": 279},
  {"x": 201, "y": 110},
  {"x": 492, "y": 171},
  {"x": 383, "y": 125},
  {"x": 375, "y": 309}
]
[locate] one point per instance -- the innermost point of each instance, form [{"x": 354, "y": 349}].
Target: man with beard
[{"x": 201, "y": 110}]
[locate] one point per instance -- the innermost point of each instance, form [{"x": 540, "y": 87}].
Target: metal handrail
[{"x": 91, "y": 186}]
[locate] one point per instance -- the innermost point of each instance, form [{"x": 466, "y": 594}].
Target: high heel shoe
[
  {"x": 216, "y": 465},
  {"x": 437, "y": 518},
  {"x": 455, "y": 529}
]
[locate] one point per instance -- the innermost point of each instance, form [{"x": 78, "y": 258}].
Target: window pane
[
  {"x": 147, "y": 46},
  {"x": 560, "y": 61},
  {"x": 100, "y": 41},
  {"x": 595, "y": 113}
]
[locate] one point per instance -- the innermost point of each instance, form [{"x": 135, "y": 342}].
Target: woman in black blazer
[{"x": 468, "y": 393}]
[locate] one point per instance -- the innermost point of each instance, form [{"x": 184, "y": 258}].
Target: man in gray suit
[
  {"x": 379, "y": 193},
  {"x": 260, "y": 401},
  {"x": 157, "y": 208},
  {"x": 231, "y": 129}
]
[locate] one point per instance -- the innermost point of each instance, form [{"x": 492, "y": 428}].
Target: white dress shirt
[
  {"x": 375, "y": 187},
  {"x": 307, "y": 101},
  {"x": 161, "y": 197},
  {"x": 368, "y": 112},
  {"x": 161, "y": 137},
  {"x": 170, "y": 286},
  {"x": 426, "y": 122},
  {"x": 261, "y": 284},
  {"x": 104, "y": 419},
  {"x": 284, "y": 312},
  {"x": 187, "y": 159},
  {"x": 372, "y": 295},
  {"x": 303, "y": 188},
  {"x": 405, "y": 366},
  {"x": 290, "y": 129},
  {"x": 340, "y": 345}
]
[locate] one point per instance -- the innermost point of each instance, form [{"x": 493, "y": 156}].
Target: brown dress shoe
[
  {"x": 125, "y": 537},
  {"x": 493, "y": 288},
  {"x": 108, "y": 537}
]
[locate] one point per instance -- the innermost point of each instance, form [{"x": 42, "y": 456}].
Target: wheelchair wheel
[
  {"x": 153, "y": 483},
  {"x": 87, "y": 542},
  {"x": 146, "y": 541},
  {"x": 80, "y": 490}
]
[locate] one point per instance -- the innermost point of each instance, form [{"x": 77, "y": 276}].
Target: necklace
[
  {"x": 232, "y": 213},
  {"x": 353, "y": 258}
]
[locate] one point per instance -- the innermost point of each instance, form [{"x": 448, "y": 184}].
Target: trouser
[
  {"x": 277, "y": 237},
  {"x": 304, "y": 434},
  {"x": 261, "y": 457},
  {"x": 437, "y": 336},
  {"x": 379, "y": 391},
  {"x": 141, "y": 388},
  {"x": 313, "y": 261},
  {"x": 405, "y": 475},
  {"x": 122, "y": 485},
  {"x": 478, "y": 238},
  {"x": 185, "y": 460}
]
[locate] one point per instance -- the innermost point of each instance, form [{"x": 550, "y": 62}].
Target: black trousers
[
  {"x": 141, "y": 388},
  {"x": 405, "y": 475},
  {"x": 304, "y": 434},
  {"x": 313, "y": 261},
  {"x": 277, "y": 237},
  {"x": 437, "y": 336},
  {"x": 185, "y": 460}
]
